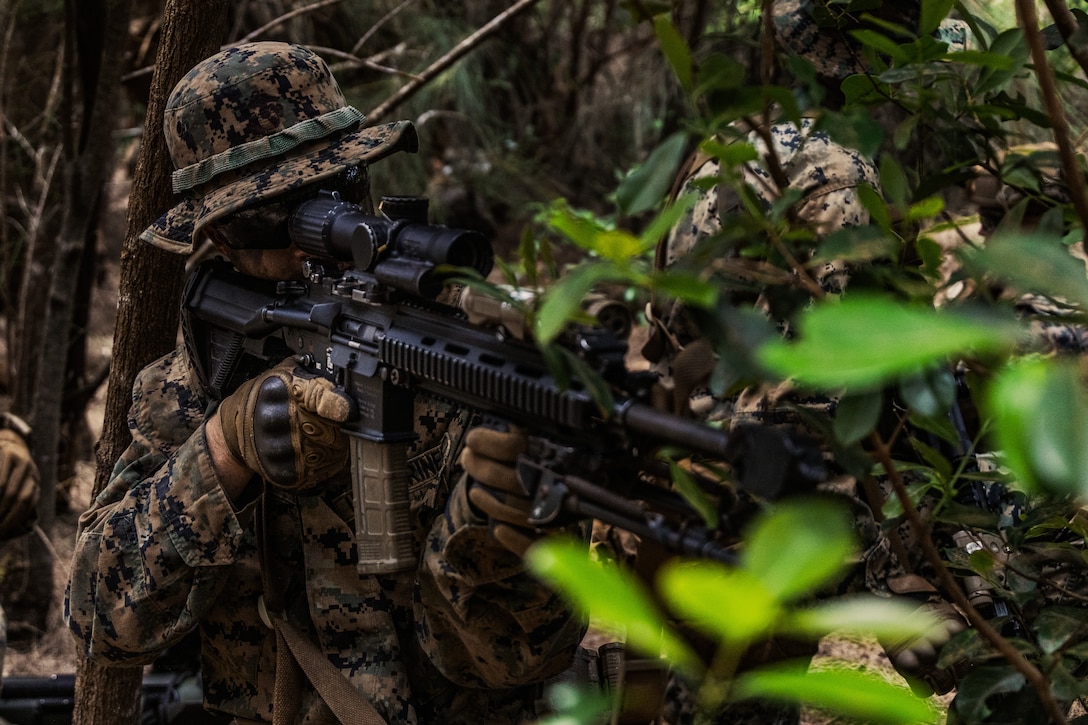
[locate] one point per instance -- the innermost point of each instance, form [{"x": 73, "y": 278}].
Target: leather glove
[
  {"x": 19, "y": 486},
  {"x": 284, "y": 424},
  {"x": 494, "y": 490},
  {"x": 917, "y": 660}
]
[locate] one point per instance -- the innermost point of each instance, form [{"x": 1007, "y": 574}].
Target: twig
[
  {"x": 1067, "y": 25},
  {"x": 1029, "y": 21},
  {"x": 360, "y": 61},
  {"x": 374, "y": 28},
  {"x": 448, "y": 59},
  {"x": 284, "y": 18},
  {"x": 1031, "y": 673}
]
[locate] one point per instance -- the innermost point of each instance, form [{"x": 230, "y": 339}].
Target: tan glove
[
  {"x": 285, "y": 425},
  {"x": 917, "y": 660},
  {"x": 494, "y": 491},
  {"x": 19, "y": 486}
]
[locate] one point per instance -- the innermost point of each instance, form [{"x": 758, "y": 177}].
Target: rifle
[
  {"x": 377, "y": 331},
  {"x": 166, "y": 697}
]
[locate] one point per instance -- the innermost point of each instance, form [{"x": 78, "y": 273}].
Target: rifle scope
[{"x": 399, "y": 248}]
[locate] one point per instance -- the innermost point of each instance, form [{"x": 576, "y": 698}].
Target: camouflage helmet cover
[
  {"x": 252, "y": 122},
  {"x": 818, "y": 31}
]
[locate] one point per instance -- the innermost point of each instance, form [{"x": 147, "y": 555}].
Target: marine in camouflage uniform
[
  {"x": 19, "y": 495},
  {"x": 171, "y": 546},
  {"x": 828, "y": 176}
]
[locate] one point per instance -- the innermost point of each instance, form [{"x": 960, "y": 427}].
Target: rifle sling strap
[
  {"x": 298, "y": 656},
  {"x": 295, "y": 651}
]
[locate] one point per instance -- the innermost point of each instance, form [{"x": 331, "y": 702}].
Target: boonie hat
[{"x": 252, "y": 122}]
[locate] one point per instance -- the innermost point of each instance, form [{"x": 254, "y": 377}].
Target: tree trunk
[{"x": 147, "y": 315}]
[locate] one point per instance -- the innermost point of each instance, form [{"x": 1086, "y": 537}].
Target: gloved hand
[
  {"x": 917, "y": 660},
  {"x": 285, "y": 425},
  {"x": 19, "y": 486},
  {"x": 494, "y": 491}
]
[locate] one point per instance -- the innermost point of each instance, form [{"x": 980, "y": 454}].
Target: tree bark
[{"x": 147, "y": 315}]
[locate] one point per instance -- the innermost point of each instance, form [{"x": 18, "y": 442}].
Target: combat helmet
[{"x": 255, "y": 121}]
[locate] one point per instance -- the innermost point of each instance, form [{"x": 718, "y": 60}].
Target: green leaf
[
  {"x": 865, "y": 341},
  {"x": 864, "y": 696},
  {"x": 563, "y": 300},
  {"x": 890, "y": 620},
  {"x": 980, "y": 684},
  {"x": 925, "y": 209},
  {"x": 615, "y": 598},
  {"x": 675, "y": 49},
  {"x": 856, "y": 415},
  {"x": 930, "y": 392},
  {"x": 1040, "y": 411},
  {"x": 731, "y": 603},
  {"x": 933, "y": 12},
  {"x": 1056, "y": 625},
  {"x": 880, "y": 43},
  {"x": 686, "y": 287},
  {"x": 1036, "y": 262},
  {"x": 693, "y": 494},
  {"x": 648, "y": 184},
  {"x": 857, "y": 244},
  {"x": 894, "y": 182},
  {"x": 874, "y": 203},
  {"x": 799, "y": 546}
]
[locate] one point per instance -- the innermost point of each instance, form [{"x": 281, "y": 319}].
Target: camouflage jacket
[{"x": 463, "y": 638}]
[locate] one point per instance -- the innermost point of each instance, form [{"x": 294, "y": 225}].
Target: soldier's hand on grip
[
  {"x": 19, "y": 486},
  {"x": 285, "y": 425},
  {"x": 494, "y": 490}
]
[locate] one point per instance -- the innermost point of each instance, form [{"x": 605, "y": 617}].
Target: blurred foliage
[{"x": 941, "y": 321}]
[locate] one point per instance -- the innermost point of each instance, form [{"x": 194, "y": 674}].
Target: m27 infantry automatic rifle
[{"x": 376, "y": 330}]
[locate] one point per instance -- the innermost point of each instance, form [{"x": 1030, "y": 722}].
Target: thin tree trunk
[{"x": 147, "y": 314}]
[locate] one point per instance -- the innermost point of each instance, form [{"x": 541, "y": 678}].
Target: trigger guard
[{"x": 549, "y": 491}]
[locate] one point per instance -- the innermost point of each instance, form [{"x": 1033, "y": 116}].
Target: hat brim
[{"x": 177, "y": 229}]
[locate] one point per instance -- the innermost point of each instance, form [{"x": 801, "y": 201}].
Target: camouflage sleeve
[
  {"x": 482, "y": 619},
  {"x": 152, "y": 550}
]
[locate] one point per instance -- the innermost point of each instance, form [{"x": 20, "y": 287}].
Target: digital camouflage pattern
[
  {"x": 162, "y": 552},
  {"x": 828, "y": 174},
  {"x": 807, "y": 29},
  {"x": 280, "y": 122}
]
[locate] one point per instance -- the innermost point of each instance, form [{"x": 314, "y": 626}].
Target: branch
[
  {"x": 284, "y": 18},
  {"x": 1029, "y": 21},
  {"x": 1032, "y": 675},
  {"x": 374, "y": 28},
  {"x": 1067, "y": 25},
  {"x": 448, "y": 59}
]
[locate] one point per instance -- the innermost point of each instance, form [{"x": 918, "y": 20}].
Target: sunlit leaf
[
  {"x": 614, "y": 598},
  {"x": 728, "y": 602},
  {"x": 801, "y": 545},
  {"x": 858, "y": 694},
  {"x": 865, "y": 341},
  {"x": 890, "y": 620},
  {"x": 563, "y": 300},
  {"x": 1040, "y": 411}
]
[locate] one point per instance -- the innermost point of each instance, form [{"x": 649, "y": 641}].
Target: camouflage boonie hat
[
  {"x": 831, "y": 50},
  {"x": 252, "y": 122}
]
